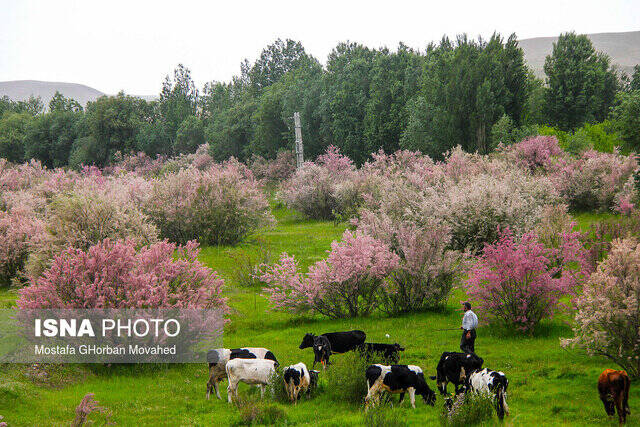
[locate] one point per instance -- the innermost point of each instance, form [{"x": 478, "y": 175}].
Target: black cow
[
  {"x": 390, "y": 353},
  {"x": 397, "y": 379},
  {"x": 454, "y": 368},
  {"x": 321, "y": 351},
  {"x": 341, "y": 342}
]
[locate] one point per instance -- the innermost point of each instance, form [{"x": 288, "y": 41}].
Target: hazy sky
[{"x": 131, "y": 45}]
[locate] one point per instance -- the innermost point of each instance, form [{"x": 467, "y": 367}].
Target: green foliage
[
  {"x": 50, "y": 137},
  {"x": 345, "y": 376},
  {"x": 469, "y": 409},
  {"x": 189, "y": 137},
  {"x": 13, "y": 128},
  {"x": 381, "y": 416},
  {"x": 247, "y": 265},
  {"x": 178, "y": 99},
  {"x": 627, "y": 115},
  {"x": 466, "y": 86},
  {"x": 63, "y": 104},
  {"x": 259, "y": 413},
  {"x": 113, "y": 123},
  {"x": 581, "y": 83}
]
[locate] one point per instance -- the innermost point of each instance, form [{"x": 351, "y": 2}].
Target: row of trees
[{"x": 457, "y": 92}]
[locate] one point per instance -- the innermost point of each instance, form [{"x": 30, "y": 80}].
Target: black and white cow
[
  {"x": 297, "y": 379},
  {"x": 332, "y": 343},
  {"x": 257, "y": 372},
  {"x": 454, "y": 368},
  {"x": 397, "y": 379},
  {"x": 495, "y": 382},
  {"x": 390, "y": 353},
  {"x": 219, "y": 357}
]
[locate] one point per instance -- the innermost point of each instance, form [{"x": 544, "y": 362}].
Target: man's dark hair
[{"x": 467, "y": 305}]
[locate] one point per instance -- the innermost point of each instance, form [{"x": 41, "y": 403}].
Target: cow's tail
[
  {"x": 627, "y": 385},
  {"x": 501, "y": 402}
]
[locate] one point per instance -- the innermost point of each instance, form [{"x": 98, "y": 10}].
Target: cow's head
[
  {"x": 428, "y": 395},
  {"x": 609, "y": 403},
  {"x": 313, "y": 379},
  {"x": 398, "y": 347},
  {"x": 307, "y": 341}
]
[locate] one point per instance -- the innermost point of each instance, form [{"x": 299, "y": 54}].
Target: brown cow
[{"x": 614, "y": 393}]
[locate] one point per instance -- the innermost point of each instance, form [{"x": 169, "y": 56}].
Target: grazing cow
[
  {"x": 297, "y": 378},
  {"x": 488, "y": 381},
  {"x": 321, "y": 351},
  {"x": 218, "y": 359},
  {"x": 249, "y": 371},
  {"x": 388, "y": 352},
  {"x": 453, "y": 368},
  {"x": 613, "y": 387},
  {"x": 397, "y": 379},
  {"x": 341, "y": 342}
]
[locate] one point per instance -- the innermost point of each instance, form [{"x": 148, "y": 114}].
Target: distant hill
[
  {"x": 20, "y": 90},
  {"x": 623, "y": 48}
]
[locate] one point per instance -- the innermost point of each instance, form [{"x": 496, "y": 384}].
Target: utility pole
[{"x": 299, "y": 149}]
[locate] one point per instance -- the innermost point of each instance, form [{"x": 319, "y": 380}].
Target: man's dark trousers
[{"x": 468, "y": 345}]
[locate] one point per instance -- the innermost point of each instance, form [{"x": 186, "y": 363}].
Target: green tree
[
  {"x": 189, "y": 137},
  {"x": 634, "y": 83},
  {"x": 60, "y": 103},
  {"x": 275, "y": 61},
  {"x": 13, "y": 127},
  {"x": 113, "y": 122},
  {"x": 271, "y": 129},
  {"x": 50, "y": 137},
  {"x": 581, "y": 83},
  {"x": 178, "y": 99},
  {"x": 627, "y": 115}
]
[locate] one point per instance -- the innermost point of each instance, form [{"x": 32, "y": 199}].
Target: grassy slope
[{"x": 548, "y": 385}]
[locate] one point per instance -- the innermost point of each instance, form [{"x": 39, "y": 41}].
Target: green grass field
[{"x": 548, "y": 385}]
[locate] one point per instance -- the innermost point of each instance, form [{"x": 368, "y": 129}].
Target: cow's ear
[{"x": 433, "y": 377}]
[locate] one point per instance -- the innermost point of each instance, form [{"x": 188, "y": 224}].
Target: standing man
[{"x": 469, "y": 325}]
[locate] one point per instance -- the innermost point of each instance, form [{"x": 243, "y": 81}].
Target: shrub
[
  {"x": 18, "y": 227},
  {"x": 476, "y": 207},
  {"x": 220, "y": 205},
  {"x": 151, "y": 277},
  {"x": 343, "y": 285},
  {"x": 346, "y": 381},
  {"x": 260, "y": 413},
  {"x": 427, "y": 268},
  {"x": 535, "y": 153},
  {"x": 275, "y": 170},
  {"x": 520, "y": 282},
  {"x": 84, "y": 218},
  {"x": 314, "y": 188},
  {"x": 247, "y": 266},
  {"x": 468, "y": 409},
  {"x": 380, "y": 416},
  {"x": 593, "y": 180},
  {"x": 608, "y": 311}
]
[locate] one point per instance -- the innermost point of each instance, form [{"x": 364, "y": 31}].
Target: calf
[
  {"x": 613, "y": 387},
  {"x": 453, "y": 368},
  {"x": 341, "y": 342},
  {"x": 249, "y": 371},
  {"x": 388, "y": 352},
  {"x": 218, "y": 359},
  {"x": 488, "y": 381},
  {"x": 397, "y": 379},
  {"x": 297, "y": 378}
]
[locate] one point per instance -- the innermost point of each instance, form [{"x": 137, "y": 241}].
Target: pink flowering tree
[
  {"x": 317, "y": 189},
  {"x": 608, "y": 310},
  {"x": 219, "y": 205},
  {"x": 345, "y": 284},
  {"x": 536, "y": 153},
  {"x": 17, "y": 229},
  {"x": 113, "y": 274},
  {"x": 519, "y": 282}
]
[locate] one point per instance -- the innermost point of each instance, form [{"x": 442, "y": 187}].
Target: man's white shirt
[{"x": 469, "y": 321}]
